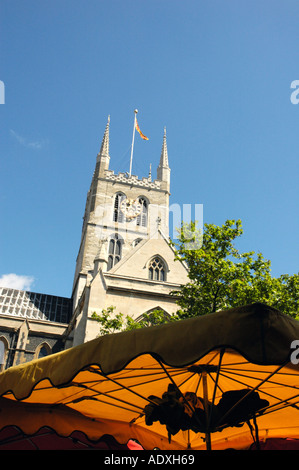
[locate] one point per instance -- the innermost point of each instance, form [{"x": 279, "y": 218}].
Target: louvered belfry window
[
  {"x": 118, "y": 215},
  {"x": 142, "y": 217}
]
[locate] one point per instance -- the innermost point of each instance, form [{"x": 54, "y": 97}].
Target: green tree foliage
[
  {"x": 111, "y": 322},
  {"x": 221, "y": 277}
]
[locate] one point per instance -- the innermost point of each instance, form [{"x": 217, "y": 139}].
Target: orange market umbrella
[{"x": 217, "y": 381}]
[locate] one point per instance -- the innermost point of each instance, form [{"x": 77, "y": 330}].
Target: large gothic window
[
  {"x": 156, "y": 270},
  {"x": 114, "y": 251},
  {"x": 118, "y": 215},
  {"x": 142, "y": 217}
]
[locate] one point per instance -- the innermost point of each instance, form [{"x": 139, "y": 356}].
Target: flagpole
[{"x": 131, "y": 159}]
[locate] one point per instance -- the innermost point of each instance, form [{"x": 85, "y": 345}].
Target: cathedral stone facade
[{"x": 124, "y": 261}]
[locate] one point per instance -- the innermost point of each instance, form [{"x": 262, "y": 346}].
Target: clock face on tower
[{"x": 131, "y": 208}]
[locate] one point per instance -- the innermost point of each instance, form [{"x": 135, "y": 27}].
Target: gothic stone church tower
[{"x": 124, "y": 259}]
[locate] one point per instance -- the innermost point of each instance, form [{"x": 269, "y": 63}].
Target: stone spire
[
  {"x": 103, "y": 156},
  {"x": 164, "y": 153},
  {"x": 163, "y": 171}
]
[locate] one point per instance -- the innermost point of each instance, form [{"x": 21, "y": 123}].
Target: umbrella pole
[{"x": 206, "y": 405}]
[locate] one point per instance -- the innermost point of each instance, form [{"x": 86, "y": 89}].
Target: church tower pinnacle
[
  {"x": 163, "y": 171},
  {"x": 103, "y": 157}
]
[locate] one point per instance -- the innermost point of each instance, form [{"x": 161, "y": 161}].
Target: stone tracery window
[
  {"x": 156, "y": 270},
  {"x": 114, "y": 251}
]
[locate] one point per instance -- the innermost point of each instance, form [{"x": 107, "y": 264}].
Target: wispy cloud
[
  {"x": 36, "y": 144},
  {"x": 16, "y": 281}
]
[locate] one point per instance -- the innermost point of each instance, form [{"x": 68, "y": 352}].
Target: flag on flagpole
[{"x": 138, "y": 129}]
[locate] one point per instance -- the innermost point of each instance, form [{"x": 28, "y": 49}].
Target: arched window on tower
[
  {"x": 157, "y": 270},
  {"x": 142, "y": 217},
  {"x": 114, "y": 250},
  {"x": 118, "y": 215}
]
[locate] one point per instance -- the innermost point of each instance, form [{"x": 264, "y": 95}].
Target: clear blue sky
[{"x": 216, "y": 73}]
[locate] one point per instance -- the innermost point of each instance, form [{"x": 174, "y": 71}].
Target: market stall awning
[{"x": 120, "y": 384}]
